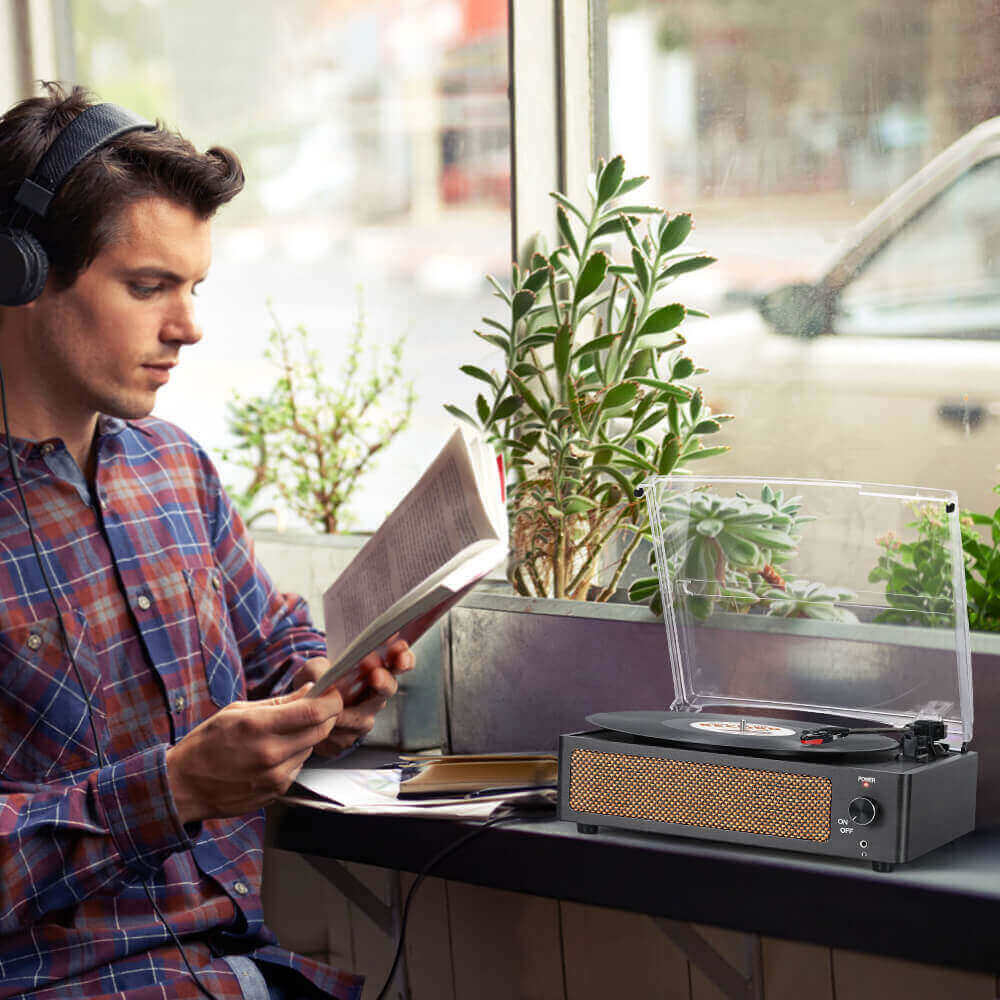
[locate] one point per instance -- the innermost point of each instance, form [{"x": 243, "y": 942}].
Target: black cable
[
  {"x": 177, "y": 941},
  {"x": 16, "y": 473},
  {"x": 101, "y": 760},
  {"x": 505, "y": 817}
]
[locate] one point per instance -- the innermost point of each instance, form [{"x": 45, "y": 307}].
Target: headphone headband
[{"x": 87, "y": 132}]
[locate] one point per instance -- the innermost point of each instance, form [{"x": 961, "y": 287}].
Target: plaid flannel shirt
[{"x": 170, "y": 618}]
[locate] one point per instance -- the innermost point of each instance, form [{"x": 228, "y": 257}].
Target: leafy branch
[
  {"x": 308, "y": 441},
  {"x": 917, "y": 572}
]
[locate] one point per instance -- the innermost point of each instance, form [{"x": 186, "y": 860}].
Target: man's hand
[
  {"x": 376, "y": 686},
  {"x": 248, "y": 753}
]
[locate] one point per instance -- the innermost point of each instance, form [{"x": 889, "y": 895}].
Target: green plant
[
  {"x": 917, "y": 573},
  {"x": 728, "y": 550},
  {"x": 593, "y": 396},
  {"x": 804, "y": 599},
  {"x": 982, "y": 568},
  {"x": 308, "y": 440}
]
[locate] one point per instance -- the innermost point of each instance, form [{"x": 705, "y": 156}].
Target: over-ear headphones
[{"x": 24, "y": 265}]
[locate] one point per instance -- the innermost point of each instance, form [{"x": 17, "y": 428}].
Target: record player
[{"x": 819, "y": 646}]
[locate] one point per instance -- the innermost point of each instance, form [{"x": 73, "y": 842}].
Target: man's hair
[{"x": 86, "y": 213}]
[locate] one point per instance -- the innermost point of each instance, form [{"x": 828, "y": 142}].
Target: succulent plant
[
  {"x": 804, "y": 599},
  {"x": 720, "y": 543},
  {"x": 726, "y": 552}
]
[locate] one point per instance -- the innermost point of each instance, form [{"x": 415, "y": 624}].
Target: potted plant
[
  {"x": 595, "y": 393},
  {"x": 914, "y": 568},
  {"x": 741, "y": 551},
  {"x": 593, "y": 398},
  {"x": 308, "y": 441}
]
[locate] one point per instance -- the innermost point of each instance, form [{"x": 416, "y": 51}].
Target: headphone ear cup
[{"x": 24, "y": 267}]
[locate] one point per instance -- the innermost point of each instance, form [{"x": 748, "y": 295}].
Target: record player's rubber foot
[
  {"x": 586, "y": 828},
  {"x": 882, "y": 866}
]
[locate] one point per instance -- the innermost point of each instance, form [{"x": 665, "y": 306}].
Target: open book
[{"x": 445, "y": 535}]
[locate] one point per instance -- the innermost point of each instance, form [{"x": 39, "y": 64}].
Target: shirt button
[
  {"x": 216, "y": 583},
  {"x": 241, "y": 888},
  {"x": 144, "y": 602},
  {"x": 179, "y": 702},
  {"x": 34, "y": 641},
  {"x": 48, "y": 448}
]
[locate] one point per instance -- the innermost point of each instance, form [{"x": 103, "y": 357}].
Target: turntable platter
[{"x": 771, "y": 736}]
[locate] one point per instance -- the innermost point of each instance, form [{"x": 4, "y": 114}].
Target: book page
[
  {"x": 410, "y": 617},
  {"x": 439, "y": 518}
]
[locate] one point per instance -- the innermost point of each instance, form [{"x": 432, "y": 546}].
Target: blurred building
[{"x": 733, "y": 98}]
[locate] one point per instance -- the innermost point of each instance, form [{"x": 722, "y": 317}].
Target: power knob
[{"x": 863, "y": 812}]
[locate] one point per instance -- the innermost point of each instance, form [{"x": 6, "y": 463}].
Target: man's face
[{"x": 106, "y": 344}]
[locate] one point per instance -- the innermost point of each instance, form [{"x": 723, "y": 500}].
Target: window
[
  {"x": 375, "y": 137},
  {"x": 9, "y": 61},
  {"x": 780, "y": 125}
]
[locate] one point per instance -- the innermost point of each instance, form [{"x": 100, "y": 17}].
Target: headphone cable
[
  {"x": 177, "y": 941},
  {"x": 16, "y": 473},
  {"x": 101, "y": 760},
  {"x": 511, "y": 813}
]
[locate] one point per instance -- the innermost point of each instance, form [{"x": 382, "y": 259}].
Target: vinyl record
[{"x": 771, "y": 737}]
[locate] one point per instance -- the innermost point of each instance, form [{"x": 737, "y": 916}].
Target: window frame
[
  {"x": 39, "y": 45},
  {"x": 558, "y": 121}
]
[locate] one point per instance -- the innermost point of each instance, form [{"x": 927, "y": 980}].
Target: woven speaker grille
[{"x": 704, "y": 795}]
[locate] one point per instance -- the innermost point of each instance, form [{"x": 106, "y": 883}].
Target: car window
[{"x": 940, "y": 274}]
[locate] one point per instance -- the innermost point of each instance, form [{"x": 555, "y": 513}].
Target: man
[{"x": 152, "y": 681}]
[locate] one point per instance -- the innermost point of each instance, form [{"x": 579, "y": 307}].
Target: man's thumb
[{"x": 295, "y": 695}]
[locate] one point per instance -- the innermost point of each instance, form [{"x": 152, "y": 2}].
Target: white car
[{"x": 888, "y": 368}]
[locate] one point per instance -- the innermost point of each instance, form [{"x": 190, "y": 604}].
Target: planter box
[
  {"x": 521, "y": 671},
  {"x": 986, "y": 728},
  {"x": 307, "y": 564}
]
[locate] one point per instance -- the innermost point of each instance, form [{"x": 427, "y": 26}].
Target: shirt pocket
[
  {"x": 45, "y": 725},
  {"x": 219, "y": 651}
]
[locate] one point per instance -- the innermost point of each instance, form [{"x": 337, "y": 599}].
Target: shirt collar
[{"x": 25, "y": 450}]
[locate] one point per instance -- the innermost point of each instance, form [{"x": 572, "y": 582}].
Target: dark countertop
[{"x": 941, "y": 908}]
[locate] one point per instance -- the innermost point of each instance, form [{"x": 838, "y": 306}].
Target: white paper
[{"x": 372, "y": 791}]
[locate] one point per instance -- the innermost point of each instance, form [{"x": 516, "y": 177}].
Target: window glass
[
  {"x": 8, "y": 61},
  {"x": 939, "y": 276},
  {"x": 780, "y": 124},
  {"x": 375, "y": 139}
]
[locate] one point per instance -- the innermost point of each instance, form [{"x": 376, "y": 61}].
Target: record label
[{"x": 742, "y": 728}]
